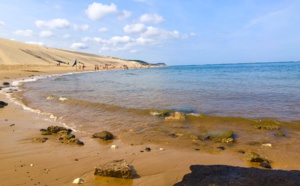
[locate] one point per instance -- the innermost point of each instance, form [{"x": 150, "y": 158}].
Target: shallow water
[{"x": 214, "y": 97}]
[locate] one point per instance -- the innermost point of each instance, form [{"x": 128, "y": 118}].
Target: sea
[{"x": 130, "y": 103}]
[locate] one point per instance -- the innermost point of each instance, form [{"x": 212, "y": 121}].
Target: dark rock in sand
[
  {"x": 222, "y": 175},
  {"x": 254, "y": 157},
  {"x": 223, "y": 136},
  {"x": 6, "y": 83},
  {"x": 116, "y": 169},
  {"x": 75, "y": 141},
  {"x": 265, "y": 165},
  {"x": 279, "y": 133},
  {"x": 104, "y": 135},
  {"x": 148, "y": 149},
  {"x": 221, "y": 148},
  {"x": 3, "y": 104},
  {"x": 39, "y": 140},
  {"x": 241, "y": 151}
]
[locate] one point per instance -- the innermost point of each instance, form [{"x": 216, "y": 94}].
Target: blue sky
[{"x": 175, "y": 32}]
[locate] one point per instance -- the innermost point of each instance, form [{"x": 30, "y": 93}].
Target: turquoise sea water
[{"x": 260, "y": 90}]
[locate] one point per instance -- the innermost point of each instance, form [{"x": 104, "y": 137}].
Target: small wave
[
  {"x": 63, "y": 99},
  {"x": 50, "y": 97}
]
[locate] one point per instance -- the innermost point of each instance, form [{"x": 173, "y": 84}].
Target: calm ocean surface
[
  {"x": 215, "y": 97},
  {"x": 123, "y": 100}
]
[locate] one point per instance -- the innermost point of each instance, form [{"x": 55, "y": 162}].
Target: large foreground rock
[
  {"x": 222, "y": 175},
  {"x": 104, "y": 135},
  {"x": 116, "y": 169}
]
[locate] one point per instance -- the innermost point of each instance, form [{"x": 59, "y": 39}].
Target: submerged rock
[
  {"x": 238, "y": 176},
  {"x": 116, "y": 169},
  {"x": 104, "y": 135},
  {"x": 56, "y": 129},
  {"x": 266, "y": 124},
  {"x": 224, "y": 136},
  {"x": 176, "y": 116}
]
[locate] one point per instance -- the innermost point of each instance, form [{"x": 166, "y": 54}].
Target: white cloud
[
  {"x": 81, "y": 27},
  {"x": 53, "y": 24},
  {"x": 97, "y": 11},
  {"x": 2, "y": 24},
  {"x": 135, "y": 28},
  {"x": 36, "y": 43},
  {"x": 119, "y": 40},
  {"x": 79, "y": 46},
  {"x": 160, "y": 34},
  {"x": 26, "y": 33},
  {"x": 133, "y": 51},
  {"x": 46, "y": 34},
  {"x": 151, "y": 18},
  {"x": 103, "y": 29}
]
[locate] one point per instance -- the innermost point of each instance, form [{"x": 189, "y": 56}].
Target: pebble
[
  {"x": 221, "y": 148},
  {"x": 114, "y": 147},
  {"x": 78, "y": 181},
  {"x": 161, "y": 149},
  {"x": 266, "y": 145},
  {"x": 148, "y": 149},
  {"x": 31, "y": 165}
]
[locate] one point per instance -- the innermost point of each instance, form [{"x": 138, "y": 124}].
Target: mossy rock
[
  {"x": 280, "y": 133},
  {"x": 224, "y": 136},
  {"x": 266, "y": 124},
  {"x": 254, "y": 157},
  {"x": 56, "y": 129}
]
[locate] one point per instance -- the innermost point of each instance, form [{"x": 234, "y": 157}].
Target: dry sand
[{"x": 23, "y": 162}]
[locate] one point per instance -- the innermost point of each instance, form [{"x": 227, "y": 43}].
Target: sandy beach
[{"x": 24, "y": 162}]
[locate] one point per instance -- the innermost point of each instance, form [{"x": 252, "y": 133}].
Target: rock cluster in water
[{"x": 64, "y": 134}]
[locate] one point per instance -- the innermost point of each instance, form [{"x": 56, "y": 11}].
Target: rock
[
  {"x": 238, "y": 176},
  {"x": 221, "y": 148},
  {"x": 266, "y": 145},
  {"x": 104, "y": 135},
  {"x": 175, "y": 116},
  {"x": 67, "y": 137},
  {"x": 56, "y": 129},
  {"x": 279, "y": 134},
  {"x": 3, "y": 104},
  {"x": 75, "y": 141},
  {"x": 148, "y": 149},
  {"x": 46, "y": 133},
  {"x": 224, "y": 136},
  {"x": 78, "y": 181},
  {"x": 265, "y": 165},
  {"x": 6, "y": 83},
  {"x": 39, "y": 140},
  {"x": 241, "y": 151},
  {"x": 161, "y": 149},
  {"x": 114, "y": 146},
  {"x": 254, "y": 157},
  {"x": 116, "y": 169},
  {"x": 266, "y": 124}
]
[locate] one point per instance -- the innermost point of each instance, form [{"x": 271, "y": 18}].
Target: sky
[{"x": 175, "y": 32}]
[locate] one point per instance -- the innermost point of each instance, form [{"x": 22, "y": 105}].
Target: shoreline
[{"x": 54, "y": 163}]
